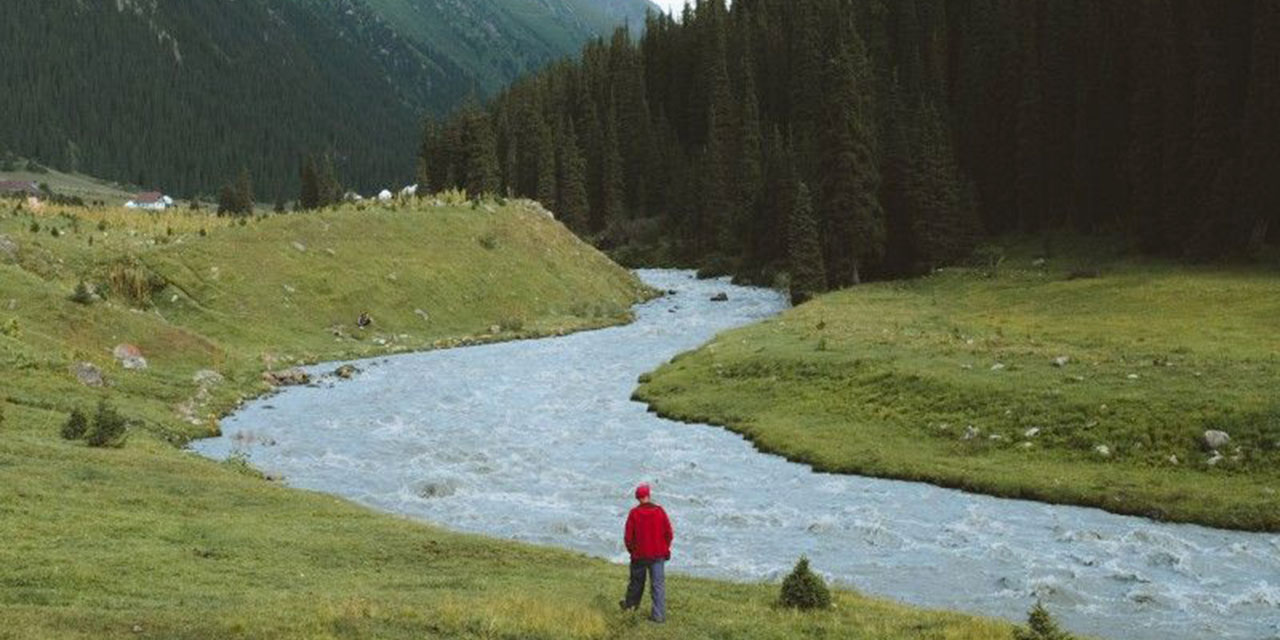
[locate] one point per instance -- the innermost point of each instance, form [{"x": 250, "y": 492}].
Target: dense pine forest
[
  {"x": 844, "y": 139},
  {"x": 181, "y": 95}
]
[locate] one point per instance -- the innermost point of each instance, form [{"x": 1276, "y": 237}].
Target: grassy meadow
[
  {"x": 951, "y": 379},
  {"x": 78, "y": 185},
  {"x": 151, "y": 541}
]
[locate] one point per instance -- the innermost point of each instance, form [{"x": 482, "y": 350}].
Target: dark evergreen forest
[
  {"x": 180, "y": 96},
  {"x": 847, "y": 139}
]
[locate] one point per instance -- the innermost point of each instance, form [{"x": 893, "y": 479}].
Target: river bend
[{"x": 538, "y": 441}]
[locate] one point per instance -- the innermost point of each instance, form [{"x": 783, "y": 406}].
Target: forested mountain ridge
[
  {"x": 500, "y": 41},
  {"x": 914, "y": 126},
  {"x": 180, "y": 95}
]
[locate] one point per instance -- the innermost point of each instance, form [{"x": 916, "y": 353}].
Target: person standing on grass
[{"x": 648, "y": 538}]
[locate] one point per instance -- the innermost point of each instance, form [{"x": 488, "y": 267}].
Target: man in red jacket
[{"x": 648, "y": 538}]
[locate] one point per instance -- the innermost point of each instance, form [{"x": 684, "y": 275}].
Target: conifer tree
[
  {"x": 1030, "y": 180},
  {"x": 943, "y": 226},
  {"x": 612, "y": 180},
  {"x": 330, "y": 189},
  {"x": 309, "y": 195},
  {"x": 481, "y": 165},
  {"x": 571, "y": 184},
  {"x": 748, "y": 166},
  {"x": 1260, "y": 189},
  {"x": 849, "y": 178},
  {"x": 544, "y": 145},
  {"x": 804, "y": 251},
  {"x": 244, "y": 193},
  {"x": 228, "y": 201}
]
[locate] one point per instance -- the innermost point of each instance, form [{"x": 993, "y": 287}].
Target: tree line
[{"x": 844, "y": 139}]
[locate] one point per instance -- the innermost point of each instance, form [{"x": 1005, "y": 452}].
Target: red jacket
[{"x": 648, "y": 535}]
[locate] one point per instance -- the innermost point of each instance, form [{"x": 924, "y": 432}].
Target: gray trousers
[{"x": 655, "y": 569}]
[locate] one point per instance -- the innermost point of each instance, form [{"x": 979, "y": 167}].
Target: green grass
[
  {"x": 885, "y": 380},
  {"x": 73, "y": 184},
  {"x": 150, "y": 541}
]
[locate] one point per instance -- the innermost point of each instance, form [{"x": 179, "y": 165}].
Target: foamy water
[{"x": 538, "y": 441}]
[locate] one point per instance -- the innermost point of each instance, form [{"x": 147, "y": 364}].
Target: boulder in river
[
  {"x": 346, "y": 371},
  {"x": 720, "y": 297},
  {"x": 286, "y": 377},
  {"x": 1214, "y": 440},
  {"x": 88, "y": 374}
]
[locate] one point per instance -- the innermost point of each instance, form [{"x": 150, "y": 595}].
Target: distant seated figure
[{"x": 364, "y": 320}]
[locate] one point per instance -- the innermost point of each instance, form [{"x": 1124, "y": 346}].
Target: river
[{"x": 538, "y": 441}]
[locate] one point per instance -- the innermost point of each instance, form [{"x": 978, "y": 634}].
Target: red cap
[{"x": 642, "y": 492}]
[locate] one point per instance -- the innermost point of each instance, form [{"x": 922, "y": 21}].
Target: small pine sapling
[
  {"x": 82, "y": 294},
  {"x": 76, "y": 425},
  {"x": 108, "y": 427},
  {"x": 804, "y": 589},
  {"x": 1041, "y": 626}
]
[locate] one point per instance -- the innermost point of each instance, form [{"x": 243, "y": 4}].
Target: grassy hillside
[
  {"x": 76, "y": 185},
  {"x": 951, "y": 379},
  {"x": 149, "y": 541}
]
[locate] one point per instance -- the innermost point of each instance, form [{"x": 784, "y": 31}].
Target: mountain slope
[
  {"x": 499, "y": 41},
  {"x": 180, "y": 95}
]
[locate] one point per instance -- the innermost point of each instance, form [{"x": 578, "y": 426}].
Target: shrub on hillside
[
  {"x": 134, "y": 283},
  {"x": 489, "y": 241},
  {"x": 76, "y": 425},
  {"x": 10, "y": 329},
  {"x": 108, "y": 428},
  {"x": 82, "y": 294},
  {"x": 454, "y": 197},
  {"x": 804, "y": 589},
  {"x": 1041, "y": 626}
]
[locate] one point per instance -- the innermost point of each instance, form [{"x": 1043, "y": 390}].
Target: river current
[{"x": 538, "y": 441}]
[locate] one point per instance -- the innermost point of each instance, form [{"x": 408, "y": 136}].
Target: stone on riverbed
[{"x": 286, "y": 377}]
